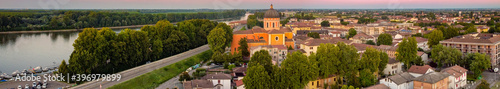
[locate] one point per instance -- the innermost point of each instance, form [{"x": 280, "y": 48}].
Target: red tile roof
[{"x": 419, "y": 69}]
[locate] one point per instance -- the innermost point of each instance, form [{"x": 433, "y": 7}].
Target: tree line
[
  {"x": 297, "y": 69},
  {"x": 71, "y": 19},
  {"x": 103, "y": 51}
]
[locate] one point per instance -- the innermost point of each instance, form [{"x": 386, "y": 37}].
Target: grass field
[{"x": 154, "y": 78}]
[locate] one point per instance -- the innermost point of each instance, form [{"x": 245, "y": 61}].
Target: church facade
[{"x": 271, "y": 34}]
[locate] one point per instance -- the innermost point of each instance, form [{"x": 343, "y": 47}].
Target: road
[
  {"x": 137, "y": 71},
  {"x": 172, "y": 83}
]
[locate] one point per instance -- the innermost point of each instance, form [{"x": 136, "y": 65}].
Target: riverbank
[{"x": 70, "y": 30}]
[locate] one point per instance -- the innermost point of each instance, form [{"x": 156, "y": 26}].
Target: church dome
[{"x": 271, "y": 13}]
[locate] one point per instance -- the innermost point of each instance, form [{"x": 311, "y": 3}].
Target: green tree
[
  {"x": 435, "y": 37},
  {"x": 407, "y": 51},
  {"x": 445, "y": 55},
  {"x": 243, "y": 49},
  {"x": 352, "y": 32},
  {"x": 244, "y": 28},
  {"x": 263, "y": 58},
  {"x": 325, "y": 24},
  {"x": 63, "y": 68},
  {"x": 328, "y": 60},
  {"x": 257, "y": 78},
  {"x": 370, "y": 42},
  {"x": 185, "y": 76},
  {"x": 367, "y": 78},
  {"x": 228, "y": 34},
  {"x": 300, "y": 70},
  {"x": 384, "y": 39},
  {"x": 217, "y": 40},
  {"x": 314, "y": 35},
  {"x": 370, "y": 59},
  {"x": 350, "y": 62},
  {"x": 384, "y": 60},
  {"x": 479, "y": 63}
]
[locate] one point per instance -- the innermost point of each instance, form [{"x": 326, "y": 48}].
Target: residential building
[
  {"x": 423, "y": 56},
  {"x": 362, "y": 38},
  {"x": 417, "y": 71},
  {"x": 378, "y": 86},
  {"x": 271, "y": 34},
  {"x": 393, "y": 67},
  {"x": 295, "y": 26},
  {"x": 422, "y": 43},
  {"x": 277, "y": 52},
  {"x": 482, "y": 28},
  {"x": 198, "y": 84},
  {"x": 311, "y": 45},
  {"x": 320, "y": 83},
  {"x": 399, "y": 81},
  {"x": 434, "y": 80},
  {"x": 486, "y": 43},
  {"x": 458, "y": 76},
  {"x": 219, "y": 80}
]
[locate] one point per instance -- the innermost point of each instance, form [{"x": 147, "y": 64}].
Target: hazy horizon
[{"x": 247, "y": 4}]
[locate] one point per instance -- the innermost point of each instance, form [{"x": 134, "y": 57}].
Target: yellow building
[
  {"x": 271, "y": 34},
  {"x": 321, "y": 82}
]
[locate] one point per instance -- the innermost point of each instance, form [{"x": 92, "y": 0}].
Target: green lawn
[{"x": 154, "y": 78}]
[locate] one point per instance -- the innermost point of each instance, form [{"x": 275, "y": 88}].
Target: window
[
  {"x": 311, "y": 48},
  {"x": 273, "y": 25},
  {"x": 267, "y": 24},
  {"x": 261, "y": 37},
  {"x": 277, "y": 38},
  {"x": 312, "y": 83}
]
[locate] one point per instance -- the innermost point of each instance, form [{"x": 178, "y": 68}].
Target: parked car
[
  {"x": 34, "y": 84},
  {"x": 44, "y": 85},
  {"x": 27, "y": 86},
  {"x": 19, "y": 87},
  {"x": 38, "y": 86}
]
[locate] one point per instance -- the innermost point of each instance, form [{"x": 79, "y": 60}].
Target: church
[{"x": 272, "y": 34}]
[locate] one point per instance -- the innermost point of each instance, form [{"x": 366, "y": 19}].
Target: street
[{"x": 137, "y": 71}]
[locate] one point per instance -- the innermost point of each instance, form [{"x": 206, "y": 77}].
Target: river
[{"x": 28, "y": 50}]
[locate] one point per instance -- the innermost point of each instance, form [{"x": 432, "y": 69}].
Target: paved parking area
[{"x": 14, "y": 84}]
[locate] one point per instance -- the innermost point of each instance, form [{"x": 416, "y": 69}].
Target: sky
[{"x": 246, "y": 4}]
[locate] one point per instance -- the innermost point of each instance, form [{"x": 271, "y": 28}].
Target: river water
[{"x": 29, "y": 50}]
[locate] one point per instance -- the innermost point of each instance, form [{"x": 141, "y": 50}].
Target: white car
[
  {"x": 19, "y": 87},
  {"x": 34, "y": 84},
  {"x": 27, "y": 86},
  {"x": 44, "y": 85},
  {"x": 39, "y": 87}
]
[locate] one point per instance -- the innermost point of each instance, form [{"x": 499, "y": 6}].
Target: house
[
  {"x": 277, "y": 52},
  {"x": 296, "y": 26},
  {"x": 417, "y": 71},
  {"x": 393, "y": 67},
  {"x": 362, "y": 38},
  {"x": 378, "y": 86},
  {"x": 320, "y": 83},
  {"x": 422, "y": 43},
  {"x": 239, "y": 84},
  {"x": 423, "y": 56},
  {"x": 311, "y": 45},
  {"x": 219, "y": 80},
  {"x": 399, "y": 81},
  {"x": 238, "y": 73},
  {"x": 458, "y": 76},
  {"x": 482, "y": 28},
  {"x": 198, "y": 84},
  {"x": 434, "y": 80}
]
